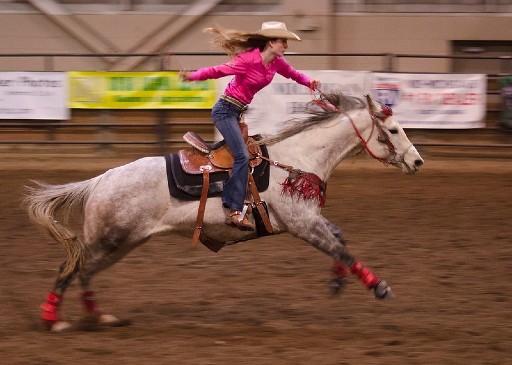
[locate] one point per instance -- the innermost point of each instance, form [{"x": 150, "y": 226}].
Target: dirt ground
[{"x": 442, "y": 239}]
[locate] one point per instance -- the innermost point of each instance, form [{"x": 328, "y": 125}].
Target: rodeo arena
[{"x": 374, "y": 163}]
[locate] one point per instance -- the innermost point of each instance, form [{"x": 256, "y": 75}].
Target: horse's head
[
  {"x": 388, "y": 142},
  {"x": 374, "y": 124}
]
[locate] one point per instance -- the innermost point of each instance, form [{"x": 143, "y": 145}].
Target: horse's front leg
[
  {"x": 321, "y": 234},
  {"x": 339, "y": 270},
  {"x": 335, "y": 230}
]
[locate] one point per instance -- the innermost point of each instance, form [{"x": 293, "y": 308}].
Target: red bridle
[{"x": 376, "y": 117}]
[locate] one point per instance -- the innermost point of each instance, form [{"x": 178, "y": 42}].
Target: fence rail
[
  {"x": 162, "y": 130},
  {"x": 389, "y": 61}
]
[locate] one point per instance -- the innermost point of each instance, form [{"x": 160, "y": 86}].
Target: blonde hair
[{"x": 235, "y": 41}]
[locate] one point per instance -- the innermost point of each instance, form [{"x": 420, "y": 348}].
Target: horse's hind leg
[
  {"x": 53, "y": 300},
  {"x": 94, "y": 314},
  {"x": 101, "y": 256}
]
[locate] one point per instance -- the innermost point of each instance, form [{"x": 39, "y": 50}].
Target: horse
[{"x": 125, "y": 206}]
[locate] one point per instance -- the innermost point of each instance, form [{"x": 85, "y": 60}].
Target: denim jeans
[{"x": 226, "y": 117}]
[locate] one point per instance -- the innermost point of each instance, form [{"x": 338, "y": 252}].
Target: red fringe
[{"x": 305, "y": 184}]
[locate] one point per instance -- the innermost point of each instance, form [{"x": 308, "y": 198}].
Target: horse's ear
[{"x": 369, "y": 101}]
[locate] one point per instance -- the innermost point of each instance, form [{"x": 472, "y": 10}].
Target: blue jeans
[{"x": 226, "y": 117}]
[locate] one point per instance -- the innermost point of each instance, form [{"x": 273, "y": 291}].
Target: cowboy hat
[{"x": 276, "y": 30}]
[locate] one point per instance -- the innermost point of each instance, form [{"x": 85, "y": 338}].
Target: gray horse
[{"x": 123, "y": 207}]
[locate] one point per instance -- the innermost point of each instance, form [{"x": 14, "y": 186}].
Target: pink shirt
[{"x": 251, "y": 75}]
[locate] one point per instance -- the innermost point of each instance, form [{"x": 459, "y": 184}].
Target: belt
[{"x": 235, "y": 102}]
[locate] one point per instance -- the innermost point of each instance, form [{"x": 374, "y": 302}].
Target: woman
[{"x": 256, "y": 58}]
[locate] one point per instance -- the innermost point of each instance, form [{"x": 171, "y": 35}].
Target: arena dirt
[{"x": 442, "y": 239}]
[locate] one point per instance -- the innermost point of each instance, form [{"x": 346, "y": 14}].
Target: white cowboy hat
[{"x": 276, "y": 30}]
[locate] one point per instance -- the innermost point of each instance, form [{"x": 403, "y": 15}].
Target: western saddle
[{"x": 206, "y": 158}]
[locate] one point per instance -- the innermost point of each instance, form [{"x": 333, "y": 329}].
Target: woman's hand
[
  {"x": 314, "y": 84},
  {"x": 184, "y": 76}
]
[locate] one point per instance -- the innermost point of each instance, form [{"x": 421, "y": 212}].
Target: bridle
[
  {"x": 395, "y": 158},
  {"x": 377, "y": 117},
  {"x": 309, "y": 185}
]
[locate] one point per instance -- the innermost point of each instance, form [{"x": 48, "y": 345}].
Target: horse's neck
[{"x": 322, "y": 148}]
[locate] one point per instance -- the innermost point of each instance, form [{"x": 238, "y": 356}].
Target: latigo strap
[{"x": 202, "y": 204}]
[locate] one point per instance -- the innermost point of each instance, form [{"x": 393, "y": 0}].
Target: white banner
[
  {"x": 34, "y": 95},
  {"x": 284, "y": 99},
  {"x": 453, "y": 101}
]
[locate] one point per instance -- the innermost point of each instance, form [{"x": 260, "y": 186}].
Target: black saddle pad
[{"x": 185, "y": 186}]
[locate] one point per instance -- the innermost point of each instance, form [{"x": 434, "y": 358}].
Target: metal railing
[{"x": 389, "y": 61}]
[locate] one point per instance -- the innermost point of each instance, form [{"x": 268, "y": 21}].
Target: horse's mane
[{"x": 319, "y": 111}]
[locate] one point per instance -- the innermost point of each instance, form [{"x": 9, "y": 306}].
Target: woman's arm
[
  {"x": 232, "y": 67},
  {"x": 286, "y": 70}
]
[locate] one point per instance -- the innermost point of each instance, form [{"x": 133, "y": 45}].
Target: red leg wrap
[
  {"x": 89, "y": 302},
  {"x": 365, "y": 275},
  {"x": 50, "y": 308}
]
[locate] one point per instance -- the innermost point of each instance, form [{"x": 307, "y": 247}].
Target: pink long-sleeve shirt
[{"x": 251, "y": 75}]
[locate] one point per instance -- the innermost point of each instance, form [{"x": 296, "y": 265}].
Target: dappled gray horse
[{"x": 123, "y": 207}]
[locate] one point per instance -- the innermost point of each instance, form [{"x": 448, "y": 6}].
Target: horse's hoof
[
  {"x": 60, "y": 327},
  {"x": 383, "y": 291},
  {"x": 112, "y": 321},
  {"x": 337, "y": 285}
]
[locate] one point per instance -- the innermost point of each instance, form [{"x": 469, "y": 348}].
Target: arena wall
[
  {"x": 132, "y": 32},
  {"x": 168, "y": 34}
]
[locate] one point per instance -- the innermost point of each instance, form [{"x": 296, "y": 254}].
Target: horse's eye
[{"x": 393, "y": 131}]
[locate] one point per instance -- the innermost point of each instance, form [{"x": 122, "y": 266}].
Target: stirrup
[{"x": 248, "y": 204}]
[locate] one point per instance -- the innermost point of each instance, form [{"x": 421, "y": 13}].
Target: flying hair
[{"x": 235, "y": 41}]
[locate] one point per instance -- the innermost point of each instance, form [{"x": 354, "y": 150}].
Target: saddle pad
[
  {"x": 185, "y": 186},
  {"x": 191, "y": 184}
]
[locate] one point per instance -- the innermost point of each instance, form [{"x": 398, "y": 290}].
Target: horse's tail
[{"x": 47, "y": 203}]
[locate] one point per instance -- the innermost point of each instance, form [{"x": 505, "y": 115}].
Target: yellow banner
[{"x": 138, "y": 90}]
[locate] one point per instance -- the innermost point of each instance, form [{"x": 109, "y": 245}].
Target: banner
[
  {"x": 284, "y": 99},
  {"x": 433, "y": 100},
  {"x": 33, "y": 95},
  {"x": 138, "y": 90}
]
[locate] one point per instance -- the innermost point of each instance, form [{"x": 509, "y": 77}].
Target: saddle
[
  {"x": 215, "y": 157},
  {"x": 199, "y": 172}
]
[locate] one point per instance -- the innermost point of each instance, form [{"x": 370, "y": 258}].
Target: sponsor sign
[
  {"x": 433, "y": 100},
  {"x": 33, "y": 95},
  {"x": 283, "y": 99},
  {"x": 138, "y": 90}
]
